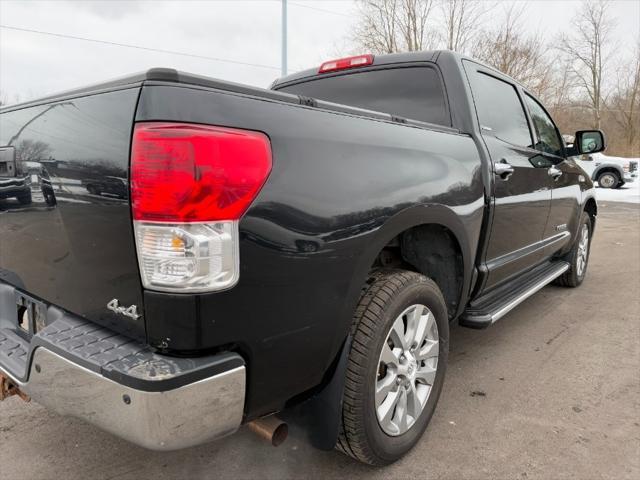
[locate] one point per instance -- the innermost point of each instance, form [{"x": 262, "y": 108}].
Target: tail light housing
[{"x": 190, "y": 184}]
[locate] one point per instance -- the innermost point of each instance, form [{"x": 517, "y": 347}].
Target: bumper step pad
[{"x": 111, "y": 355}]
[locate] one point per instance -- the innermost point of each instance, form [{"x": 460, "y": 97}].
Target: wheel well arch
[
  {"x": 591, "y": 207},
  {"x": 461, "y": 227},
  {"x": 608, "y": 169},
  {"x": 433, "y": 250}
]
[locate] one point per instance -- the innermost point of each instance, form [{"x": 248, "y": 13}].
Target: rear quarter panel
[{"x": 341, "y": 186}]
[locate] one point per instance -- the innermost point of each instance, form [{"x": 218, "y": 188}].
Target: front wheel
[
  {"x": 578, "y": 257},
  {"x": 608, "y": 180},
  {"x": 396, "y": 366}
]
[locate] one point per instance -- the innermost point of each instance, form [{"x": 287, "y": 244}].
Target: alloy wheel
[
  {"x": 406, "y": 369},
  {"x": 583, "y": 250}
]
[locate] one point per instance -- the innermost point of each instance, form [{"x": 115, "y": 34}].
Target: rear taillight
[
  {"x": 190, "y": 184},
  {"x": 345, "y": 63}
]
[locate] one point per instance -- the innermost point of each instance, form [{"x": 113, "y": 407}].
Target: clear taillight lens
[
  {"x": 190, "y": 184},
  {"x": 188, "y": 257}
]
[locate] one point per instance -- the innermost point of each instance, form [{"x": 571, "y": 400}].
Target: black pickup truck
[{"x": 298, "y": 249}]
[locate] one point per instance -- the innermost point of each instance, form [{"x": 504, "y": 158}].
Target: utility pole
[{"x": 284, "y": 38}]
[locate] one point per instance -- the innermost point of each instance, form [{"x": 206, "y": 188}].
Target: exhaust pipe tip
[
  {"x": 271, "y": 429},
  {"x": 8, "y": 389}
]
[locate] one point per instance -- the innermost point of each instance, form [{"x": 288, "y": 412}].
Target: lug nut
[
  {"x": 402, "y": 358},
  {"x": 398, "y": 381}
]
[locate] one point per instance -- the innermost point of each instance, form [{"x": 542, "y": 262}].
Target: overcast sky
[{"x": 246, "y": 31}]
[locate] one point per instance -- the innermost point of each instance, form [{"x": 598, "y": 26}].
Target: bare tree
[
  {"x": 588, "y": 48},
  {"x": 562, "y": 84},
  {"x": 376, "y": 31},
  {"x": 389, "y": 26},
  {"x": 412, "y": 22},
  {"x": 625, "y": 103},
  {"x": 462, "y": 21},
  {"x": 515, "y": 53},
  {"x": 30, "y": 150}
]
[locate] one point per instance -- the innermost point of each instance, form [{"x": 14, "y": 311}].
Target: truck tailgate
[{"x": 65, "y": 223}]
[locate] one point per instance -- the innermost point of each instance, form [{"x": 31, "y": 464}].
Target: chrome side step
[{"x": 491, "y": 307}]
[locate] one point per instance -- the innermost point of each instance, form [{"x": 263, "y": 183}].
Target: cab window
[
  {"x": 499, "y": 109},
  {"x": 548, "y": 139}
]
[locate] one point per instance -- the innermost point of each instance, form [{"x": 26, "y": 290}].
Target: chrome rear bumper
[{"x": 166, "y": 420}]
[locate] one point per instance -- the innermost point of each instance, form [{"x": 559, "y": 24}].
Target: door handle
[
  {"x": 554, "y": 172},
  {"x": 503, "y": 169}
]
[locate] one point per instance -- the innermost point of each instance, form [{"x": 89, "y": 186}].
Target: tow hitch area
[{"x": 8, "y": 389}]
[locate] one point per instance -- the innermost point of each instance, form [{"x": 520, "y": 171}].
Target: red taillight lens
[
  {"x": 344, "y": 63},
  {"x": 184, "y": 172}
]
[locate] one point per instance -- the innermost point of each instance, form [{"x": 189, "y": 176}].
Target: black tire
[
  {"x": 571, "y": 278},
  {"x": 386, "y": 296},
  {"x": 608, "y": 180},
  {"x": 25, "y": 198},
  {"x": 620, "y": 184}
]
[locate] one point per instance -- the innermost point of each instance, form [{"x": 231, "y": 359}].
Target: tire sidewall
[{"x": 385, "y": 446}]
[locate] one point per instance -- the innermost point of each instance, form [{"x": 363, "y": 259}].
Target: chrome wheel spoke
[
  {"x": 390, "y": 356},
  {"x": 385, "y": 386},
  {"x": 397, "y": 333},
  {"x": 429, "y": 350},
  {"x": 426, "y": 323},
  {"x": 414, "y": 406},
  {"x": 426, "y": 375},
  {"x": 386, "y": 410},
  {"x": 414, "y": 320},
  {"x": 400, "y": 417}
]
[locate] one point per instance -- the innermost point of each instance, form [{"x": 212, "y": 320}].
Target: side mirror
[{"x": 589, "y": 141}]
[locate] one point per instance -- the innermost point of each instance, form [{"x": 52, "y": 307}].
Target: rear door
[{"x": 521, "y": 190}]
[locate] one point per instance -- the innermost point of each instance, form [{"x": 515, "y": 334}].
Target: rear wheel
[
  {"x": 396, "y": 366},
  {"x": 608, "y": 180}
]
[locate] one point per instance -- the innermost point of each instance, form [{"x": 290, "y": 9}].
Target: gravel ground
[{"x": 551, "y": 391}]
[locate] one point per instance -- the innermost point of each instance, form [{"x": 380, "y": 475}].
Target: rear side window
[
  {"x": 499, "y": 109},
  {"x": 415, "y": 93}
]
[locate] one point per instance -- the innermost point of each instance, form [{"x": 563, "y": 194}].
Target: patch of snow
[{"x": 629, "y": 192}]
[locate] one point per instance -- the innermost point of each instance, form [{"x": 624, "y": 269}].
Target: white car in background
[{"x": 609, "y": 172}]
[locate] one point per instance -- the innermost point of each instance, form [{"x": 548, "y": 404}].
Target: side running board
[{"x": 491, "y": 307}]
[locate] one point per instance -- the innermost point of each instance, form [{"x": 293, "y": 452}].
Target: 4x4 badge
[{"x": 131, "y": 312}]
